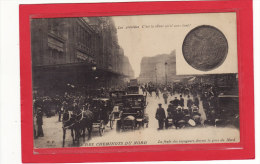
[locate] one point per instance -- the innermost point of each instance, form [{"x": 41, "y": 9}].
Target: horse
[
  {"x": 68, "y": 122},
  {"x": 77, "y": 122},
  {"x": 88, "y": 119},
  {"x": 79, "y": 125}
]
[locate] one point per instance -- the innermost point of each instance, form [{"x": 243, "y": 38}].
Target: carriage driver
[{"x": 160, "y": 116}]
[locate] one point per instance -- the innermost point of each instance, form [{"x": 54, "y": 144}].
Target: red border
[{"x": 243, "y": 150}]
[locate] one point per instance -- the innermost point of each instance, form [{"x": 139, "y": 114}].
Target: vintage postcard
[{"x": 135, "y": 80}]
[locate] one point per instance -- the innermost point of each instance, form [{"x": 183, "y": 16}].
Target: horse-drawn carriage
[
  {"x": 133, "y": 113},
  {"x": 102, "y": 111},
  {"x": 97, "y": 113}
]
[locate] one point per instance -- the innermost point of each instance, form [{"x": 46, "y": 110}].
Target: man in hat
[
  {"x": 63, "y": 107},
  {"x": 181, "y": 103},
  {"x": 39, "y": 122},
  {"x": 175, "y": 102},
  {"x": 160, "y": 116},
  {"x": 196, "y": 100},
  {"x": 189, "y": 102}
]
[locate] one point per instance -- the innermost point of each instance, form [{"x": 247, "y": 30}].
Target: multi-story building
[
  {"x": 75, "y": 52},
  {"x": 159, "y": 68}
]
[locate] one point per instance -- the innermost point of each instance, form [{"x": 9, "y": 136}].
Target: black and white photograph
[{"x": 135, "y": 80}]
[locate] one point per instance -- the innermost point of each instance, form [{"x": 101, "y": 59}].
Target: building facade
[
  {"x": 76, "y": 52},
  {"x": 158, "y": 69}
]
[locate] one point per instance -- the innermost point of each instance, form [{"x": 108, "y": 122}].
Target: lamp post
[
  {"x": 94, "y": 68},
  {"x": 165, "y": 64},
  {"x": 155, "y": 74}
]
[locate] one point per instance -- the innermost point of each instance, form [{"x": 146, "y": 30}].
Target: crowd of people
[
  {"x": 177, "y": 108},
  {"x": 177, "y": 111},
  {"x": 180, "y": 88},
  {"x": 57, "y": 104},
  {"x": 207, "y": 93}
]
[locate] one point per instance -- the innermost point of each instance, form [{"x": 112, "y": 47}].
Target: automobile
[
  {"x": 133, "y": 82},
  {"x": 132, "y": 114},
  {"x": 228, "y": 110},
  {"x": 132, "y": 90},
  {"x": 116, "y": 96},
  {"x": 117, "y": 101}
]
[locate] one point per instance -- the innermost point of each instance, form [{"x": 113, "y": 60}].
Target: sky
[{"x": 150, "y": 35}]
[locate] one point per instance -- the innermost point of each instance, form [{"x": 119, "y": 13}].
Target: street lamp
[
  {"x": 165, "y": 73},
  {"x": 94, "y": 67},
  {"x": 156, "y": 75}
]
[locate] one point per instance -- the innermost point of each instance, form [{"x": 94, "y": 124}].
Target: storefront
[{"x": 80, "y": 77}]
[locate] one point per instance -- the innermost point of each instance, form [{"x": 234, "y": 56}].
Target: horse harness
[{"x": 74, "y": 122}]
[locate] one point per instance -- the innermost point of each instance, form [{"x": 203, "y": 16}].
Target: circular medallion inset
[{"x": 205, "y": 48}]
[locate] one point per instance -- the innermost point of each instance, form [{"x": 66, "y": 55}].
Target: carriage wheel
[
  {"x": 101, "y": 131},
  {"x": 101, "y": 128},
  {"x": 133, "y": 125},
  {"x": 143, "y": 124}
]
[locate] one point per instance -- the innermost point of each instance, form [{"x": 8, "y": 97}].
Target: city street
[
  {"x": 74, "y": 64},
  {"x": 147, "y": 136}
]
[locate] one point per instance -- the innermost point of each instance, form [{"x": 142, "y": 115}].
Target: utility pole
[
  {"x": 156, "y": 74},
  {"x": 165, "y": 73}
]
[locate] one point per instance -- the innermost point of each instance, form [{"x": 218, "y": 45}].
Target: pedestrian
[
  {"x": 35, "y": 127},
  {"x": 59, "y": 113},
  {"x": 146, "y": 92},
  {"x": 165, "y": 97},
  {"x": 62, "y": 109},
  {"x": 181, "y": 101},
  {"x": 157, "y": 93},
  {"x": 160, "y": 116},
  {"x": 143, "y": 89},
  {"x": 39, "y": 122},
  {"x": 189, "y": 103},
  {"x": 196, "y": 101}
]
